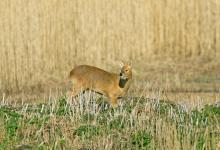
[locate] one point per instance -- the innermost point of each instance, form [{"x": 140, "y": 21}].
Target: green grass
[
  {"x": 138, "y": 123},
  {"x": 207, "y": 79},
  {"x": 87, "y": 131}
]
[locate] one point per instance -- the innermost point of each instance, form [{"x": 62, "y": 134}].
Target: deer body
[{"x": 85, "y": 77}]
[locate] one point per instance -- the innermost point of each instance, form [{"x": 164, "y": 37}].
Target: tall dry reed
[{"x": 40, "y": 41}]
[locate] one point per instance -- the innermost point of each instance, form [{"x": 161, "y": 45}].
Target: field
[{"x": 174, "y": 47}]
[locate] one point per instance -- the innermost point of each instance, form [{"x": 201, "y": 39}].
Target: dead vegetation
[{"x": 41, "y": 41}]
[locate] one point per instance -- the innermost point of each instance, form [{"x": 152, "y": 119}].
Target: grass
[
  {"x": 175, "y": 52},
  {"x": 138, "y": 123}
]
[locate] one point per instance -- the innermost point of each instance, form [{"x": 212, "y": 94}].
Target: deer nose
[{"x": 120, "y": 74}]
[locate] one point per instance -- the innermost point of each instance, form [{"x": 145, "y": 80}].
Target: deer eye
[{"x": 126, "y": 70}]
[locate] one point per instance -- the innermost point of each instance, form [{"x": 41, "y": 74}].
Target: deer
[{"x": 112, "y": 85}]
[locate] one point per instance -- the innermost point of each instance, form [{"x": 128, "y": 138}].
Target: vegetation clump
[
  {"x": 141, "y": 139},
  {"x": 87, "y": 131}
]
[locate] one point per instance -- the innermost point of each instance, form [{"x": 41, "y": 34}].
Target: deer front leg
[{"x": 114, "y": 101}]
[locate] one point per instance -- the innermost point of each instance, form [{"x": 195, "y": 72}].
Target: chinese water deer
[{"x": 113, "y": 85}]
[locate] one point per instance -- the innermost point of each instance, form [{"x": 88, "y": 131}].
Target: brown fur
[{"x": 112, "y": 85}]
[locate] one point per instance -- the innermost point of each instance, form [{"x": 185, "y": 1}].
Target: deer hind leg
[
  {"x": 75, "y": 92},
  {"x": 76, "y": 88}
]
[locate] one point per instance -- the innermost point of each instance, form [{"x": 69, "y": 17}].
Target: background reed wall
[{"x": 40, "y": 41}]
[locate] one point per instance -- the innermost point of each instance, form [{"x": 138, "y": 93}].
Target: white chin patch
[{"x": 123, "y": 77}]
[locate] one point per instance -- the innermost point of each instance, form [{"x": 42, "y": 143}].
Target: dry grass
[
  {"x": 175, "y": 49},
  {"x": 41, "y": 41}
]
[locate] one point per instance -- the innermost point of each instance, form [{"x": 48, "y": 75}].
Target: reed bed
[{"x": 40, "y": 41}]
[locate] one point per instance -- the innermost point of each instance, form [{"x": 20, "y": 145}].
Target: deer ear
[
  {"x": 122, "y": 64},
  {"x": 131, "y": 63}
]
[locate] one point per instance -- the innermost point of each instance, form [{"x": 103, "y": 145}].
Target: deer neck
[{"x": 124, "y": 83}]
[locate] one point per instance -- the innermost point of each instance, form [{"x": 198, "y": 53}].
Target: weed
[
  {"x": 200, "y": 142},
  {"x": 11, "y": 125},
  {"x": 117, "y": 123},
  {"x": 87, "y": 131},
  {"x": 88, "y": 117},
  {"x": 63, "y": 107},
  {"x": 210, "y": 114},
  {"x": 141, "y": 139}
]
